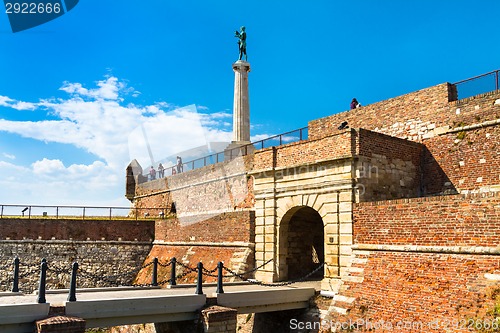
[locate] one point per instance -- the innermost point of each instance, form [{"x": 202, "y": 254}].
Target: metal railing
[
  {"x": 276, "y": 140},
  {"x": 478, "y": 84},
  {"x": 79, "y": 212}
]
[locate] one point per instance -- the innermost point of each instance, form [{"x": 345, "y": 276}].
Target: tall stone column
[
  {"x": 241, "y": 106},
  {"x": 241, "y": 113}
]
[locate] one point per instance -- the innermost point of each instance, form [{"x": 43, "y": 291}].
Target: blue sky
[{"x": 74, "y": 91}]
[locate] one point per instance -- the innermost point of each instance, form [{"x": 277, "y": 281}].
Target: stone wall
[
  {"x": 218, "y": 188},
  {"x": 101, "y": 248},
  {"x": 386, "y": 167},
  {"x": 98, "y": 258}
]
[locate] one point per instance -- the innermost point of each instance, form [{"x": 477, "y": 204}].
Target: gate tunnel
[{"x": 301, "y": 243}]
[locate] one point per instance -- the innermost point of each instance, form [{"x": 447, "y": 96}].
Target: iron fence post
[
  {"x": 72, "y": 288},
  {"x": 29, "y": 213},
  {"x": 83, "y": 216},
  {"x": 219, "y": 278},
  {"x": 41, "y": 285},
  {"x": 15, "y": 285},
  {"x": 1, "y": 214},
  {"x": 110, "y": 214},
  {"x": 172, "y": 272},
  {"x": 154, "y": 279},
  {"x": 496, "y": 81},
  {"x": 57, "y": 213},
  {"x": 199, "y": 282}
]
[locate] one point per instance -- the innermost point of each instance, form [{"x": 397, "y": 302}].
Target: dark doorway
[{"x": 304, "y": 243}]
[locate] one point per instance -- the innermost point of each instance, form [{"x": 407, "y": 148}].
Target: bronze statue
[{"x": 242, "y": 42}]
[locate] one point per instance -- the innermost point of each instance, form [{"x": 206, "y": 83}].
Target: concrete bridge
[{"x": 105, "y": 307}]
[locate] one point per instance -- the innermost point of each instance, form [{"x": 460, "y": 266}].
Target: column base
[{"x": 238, "y": 148}]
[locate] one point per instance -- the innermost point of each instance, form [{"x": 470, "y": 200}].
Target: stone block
[
  {"x": 346, "y": 228},
  {"x": 346, "y": 239},
  {"x": 330, "y": 218},
  {"x": 345, "y": 207},
  {"x": 345, "y": 196},
  {"x": 345, "y": 218},
  {"x": 331, "y": 229},
  {"x": 332, "y": 239},
  {"x": 331, "y": 250},
  {"x": 345, "y": 250},
  {"x": 345, "y": 261},
  {"x": 259, "y": 229},
  {"x": 269, "y": 238}
]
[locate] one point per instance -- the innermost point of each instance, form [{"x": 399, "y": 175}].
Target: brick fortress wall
[
  {"x": 227, "y": 237},
  {"x": 425, "y": 261},
  {"x": 429, "y": 261}
]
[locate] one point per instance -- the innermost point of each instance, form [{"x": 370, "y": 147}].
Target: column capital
[{"x": 241, "y": 65}]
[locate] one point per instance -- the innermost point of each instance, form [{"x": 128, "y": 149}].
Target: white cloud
[
  {"x": 9, "y": 156},
  {"x": 4, "y": 101},
  {"x": 108, "y": 89},
  {"x": 97, "y": 121},
  {"x": 259, "y": 137},
  {"x": 24, "y": 106},
  {"x": 12, "y": 103}
]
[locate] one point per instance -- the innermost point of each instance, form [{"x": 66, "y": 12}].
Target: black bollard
[
  {"x": 72, "y": 287},
  {"x": 219, "y": 278},
  {"x": 154, "y": 279},
  {"x": 199, "y": 283},
  {"x": 15, "y": 285},
  {"x": 41, "y": 285},
  {"x": 172, "y": 272}
]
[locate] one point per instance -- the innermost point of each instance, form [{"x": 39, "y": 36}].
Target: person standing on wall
[
  {"x": 161, "y": 171},
  {"x": 180, "y": 167},
  {"x": 355, "y": 104},
  {"x": 152, "y": 173}
]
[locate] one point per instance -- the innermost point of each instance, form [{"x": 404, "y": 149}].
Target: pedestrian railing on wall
[
  {"x": 75, "y": 272},
  {"x": 476, "y": 85},
  {"x": 229, "y": 154},
  {"x": 79, "y": 212}
]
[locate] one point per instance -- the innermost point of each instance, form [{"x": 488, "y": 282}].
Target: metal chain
[
  {"x": 164, "y": 265},
  {"x": 232, "y": 274},
  {"x": 209, "y": 271},
  {"x": 279, "y": 284},
  {"x": 111, "y": 279},
  {"x": 187, "y": 267}
]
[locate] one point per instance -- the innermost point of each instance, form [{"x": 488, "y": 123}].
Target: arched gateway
[
  {"x": 303, "y": 217},
  {"x": 301, "y": 242}
]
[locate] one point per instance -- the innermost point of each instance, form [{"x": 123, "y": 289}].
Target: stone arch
[{"x": 301, "y": 246}]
